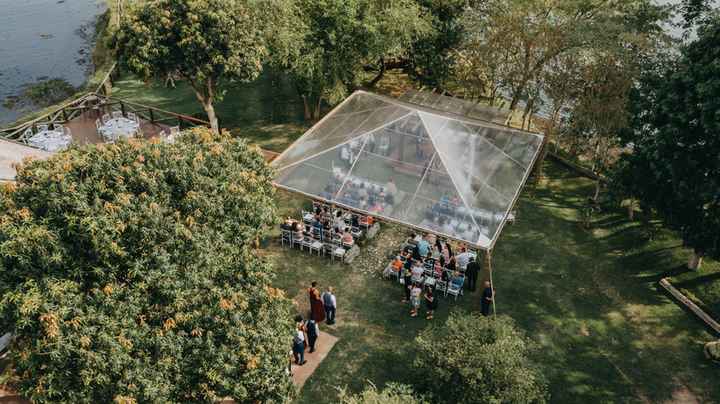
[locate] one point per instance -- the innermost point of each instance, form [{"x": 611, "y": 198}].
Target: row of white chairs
[
  {"x": 117, "y": 115},
  {"x": 46, "y": 128}
]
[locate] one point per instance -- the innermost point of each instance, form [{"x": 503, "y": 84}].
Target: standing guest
[
  {"x": 391, "y": 188},
  {"x": 431, "y": 302},
  {"x": 330, "y": 304},
  {"x": 312, "y": 330},
  {"x": 299, "y": 342},
  {"x": 417, "y": 272},
  {"x": 423, "y": 247},
  {"x": 472, "y": 270},
  {"x": 415, "y": 293},
  {"x": 317, "y": 224},
  {"x": 317, "y": 310},
  {"x": 452, "y": 264},
  {"x": 339, "y": 222},
  {"x": 407, "y": 281},
  {"x": 487, "y": 299},
  {"x": 462, "y": 259}
]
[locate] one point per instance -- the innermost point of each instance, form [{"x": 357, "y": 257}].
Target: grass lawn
[{"x": 588, "y": 298}]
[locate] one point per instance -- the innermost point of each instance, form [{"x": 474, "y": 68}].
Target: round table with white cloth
[
  {"x": 50, "y": 140},
  {"x": 116, "y": 128}
]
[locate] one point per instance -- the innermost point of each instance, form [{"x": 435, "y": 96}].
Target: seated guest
[
  {"x": 347, "y": 238},
  {"x": 439, "y": 270},
  {"x": 298, "y": 231},
  {"x": 457, "y": 280},
  {"x": 287, "y": 224},
  {"x": 362, "y": 192},
  {"x": 377, "y": 207},
  {"x": 417, "y": 272}
]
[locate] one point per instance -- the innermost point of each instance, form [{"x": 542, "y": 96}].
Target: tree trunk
[
  {"x": 597, "y": 191},
  {"x": 306, "y": 107},
  {"x": 631, "y": 211},
  {"x": 210, "y": 111},
  {"x": 695, "y": 260},
  {"x": 316, "y": 113},
  {"x": 379, "y": 75}
]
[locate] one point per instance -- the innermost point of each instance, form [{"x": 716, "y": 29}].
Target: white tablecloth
[
  {"x": 50, "y": 140},
  {"x": 117, "y": 128}
]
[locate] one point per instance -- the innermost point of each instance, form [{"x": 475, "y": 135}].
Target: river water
[{"x": 44, "y": 39}]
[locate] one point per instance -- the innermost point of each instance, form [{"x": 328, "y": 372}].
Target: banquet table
[
  {"x": 50, "y": 140},
  {"x": 116, "y": 128}
]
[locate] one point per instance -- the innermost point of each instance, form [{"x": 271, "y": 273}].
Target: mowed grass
[{"x": 589, "y": 299}]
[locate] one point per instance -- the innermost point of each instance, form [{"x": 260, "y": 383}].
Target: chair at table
[
  {"x": 285, "y": 237},
  {"x": 441, "y": 286},
  {"x": 133, "y": 117},
  {"x": 117, "y": 114},
  {"x": 58, "y": 128},
  {"x": 174, "y": 130},
  {"x": 28, "y": 134},
  {"x": 338, "y": 252},
  {"x": 455, "y": 289},
  {"x": 42, "y": 128}
]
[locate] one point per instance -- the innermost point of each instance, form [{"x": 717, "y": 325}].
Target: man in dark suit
[{"x": 471, "y": 272}]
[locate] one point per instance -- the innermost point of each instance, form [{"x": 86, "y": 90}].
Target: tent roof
[{"x": 429, "y": 169}]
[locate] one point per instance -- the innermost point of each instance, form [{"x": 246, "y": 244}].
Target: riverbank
[{"x": 96, "y": 57}]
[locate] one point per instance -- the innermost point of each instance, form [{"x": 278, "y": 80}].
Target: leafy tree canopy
[
  {"x": 392, "y": 394},
  {"x": 674, "y": 167},
  {"x": 480, "y": 360},
  {"x": 342, "y": 37},
  {"x": 127, "y": 273},
  {"x": 207, "y": 42}
]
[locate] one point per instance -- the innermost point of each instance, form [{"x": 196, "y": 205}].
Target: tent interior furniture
[{"x": 429, "y": 169}]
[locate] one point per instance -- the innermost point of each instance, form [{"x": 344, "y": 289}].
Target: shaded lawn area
[
  {"x": 588, "y": 298},
  {"x": 267, "y": 112},
  {"x": 702, "y": 286}
]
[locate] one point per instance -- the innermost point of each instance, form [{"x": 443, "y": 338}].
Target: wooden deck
[{"x": 84, "y": 132}]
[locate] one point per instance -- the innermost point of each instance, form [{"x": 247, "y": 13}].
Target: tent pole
[{"x": 488, "y": 263}]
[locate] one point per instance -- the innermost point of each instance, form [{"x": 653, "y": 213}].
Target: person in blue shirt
[{"x": 423, "y": 247}]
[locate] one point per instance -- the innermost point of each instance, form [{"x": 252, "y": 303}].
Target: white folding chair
[
  {"x": 133, "y": 117},
  {"x": 105, "y": 118},
  {"x": 174, "y": 130},
  {"x": 441, "y": 286},
  {"x": 338, "y": 252},
  {"x": 59, "y": 128},
  {"x": 28, "y": 133},
  {"x": 42, "y": 128},
  {"x": 117, "y": 114},
  {"x": 454, "y": 289}
]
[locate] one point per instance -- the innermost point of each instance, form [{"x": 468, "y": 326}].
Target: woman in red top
[{"x": 317, "y": 309}]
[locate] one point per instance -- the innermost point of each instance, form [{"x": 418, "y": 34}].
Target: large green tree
[
  {"x": 674, "y": 167},
  {"x": 477, "y": 359},
  {"x": 208, "y": 43},
  {"x": 341, "y": 38},
  {"x": 127, "y": 273}
]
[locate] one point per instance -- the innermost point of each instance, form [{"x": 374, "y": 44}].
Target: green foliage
[
  {"x": 342, "y": 37},
  {"x": 431, "y": 56},
  {"x": 128, "y": 271},
  {"x": 674, "y": 167},
  {"x": 206, "y": 42},
  {"x": 477, "y": 359},
  {"x": 392, "y": 394}
]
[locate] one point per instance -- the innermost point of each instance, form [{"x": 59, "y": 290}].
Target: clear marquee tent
[{"x": 431, "y": 169}]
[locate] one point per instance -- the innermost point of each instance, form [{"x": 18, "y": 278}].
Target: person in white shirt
[
  {"x": 463, "y": 259},
  {"x": 417, "y": 272},
  {"x": 328, "y": 298}
]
